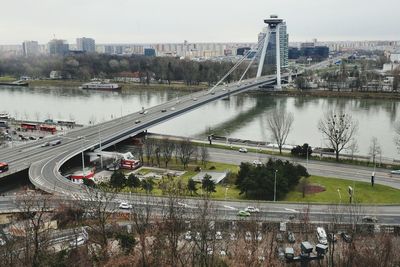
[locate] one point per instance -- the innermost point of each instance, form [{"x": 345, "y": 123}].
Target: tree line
[{"x": 86, "y": 66}]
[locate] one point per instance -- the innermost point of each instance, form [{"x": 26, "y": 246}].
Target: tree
[
  {"x": 133, "y": 181},
  {"x": 149, "y": 149},
  {"x": 167, "y": 148},
  {"x": 185, "y": 150},
  {"x": 191, "y": 186},
  {"x": 353, "y": 147},
  {"x": 204, "y": 155},
  {"x": 117, "y": 179},
  {"x": 374, "y": 149},
  {"x": 147, "y": 185},
  {"x": 207, "y": 184},
  {"x": 339, "y": 129},
  {"x": 280, "y": 124}
]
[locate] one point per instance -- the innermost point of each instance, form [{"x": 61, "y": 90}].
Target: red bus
[
  {"x": 48, "y": 128},
  {"x": 29, "y": 126},
  {"x": 3, "y": 167}
]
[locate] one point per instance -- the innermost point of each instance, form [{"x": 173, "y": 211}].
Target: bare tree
[
  {"x": 185, "y": 150},
  {"x": 99, "y": 206},
  {"x": 36, "y": 227},
  {"x": 353, "y": 147},
  {"x": 280, "y": 124},
  {"x": 339, "y": 129},
  {"x": 374, "y": 149},
  {"x": 167, "y": 148},
  {"x": 204, "y": 155},
  {"x": 157, "y": 151},
  {"x": 149, "y": 149}
]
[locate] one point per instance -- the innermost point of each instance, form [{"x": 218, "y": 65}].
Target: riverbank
[
  {"x": 341, "y": 94},
  {"x": 75, "y": 84}
]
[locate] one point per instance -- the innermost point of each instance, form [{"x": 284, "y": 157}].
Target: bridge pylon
[{"x": 273, "y": 24}]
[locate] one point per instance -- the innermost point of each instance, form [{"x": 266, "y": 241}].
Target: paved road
[
  {"x": 320, "y": 168},
  {"x": 228, "y": 209}
]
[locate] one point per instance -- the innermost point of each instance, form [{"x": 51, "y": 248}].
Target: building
[
  {"x": 58, "y": 47},
  {"x": 149, "y": 52},
  {"x": 30, "y": 48},
  {"x": 270, "y": 58},
  {"x": 86, "y": 44}
]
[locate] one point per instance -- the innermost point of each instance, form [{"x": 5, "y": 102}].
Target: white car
[
  {"x": 248, "y": 236},
  {"x": 321, "y": 235},
  {"x": 188, "y": 235},
  {"x": 218, "y": 235},
  {"x": 232, "y": 236},
  {"x": 257, "y": 162},
  {"x": 125, "y": 206},
  {"x": 243, "y": 150},
  {"x": 251, "y": 209}
]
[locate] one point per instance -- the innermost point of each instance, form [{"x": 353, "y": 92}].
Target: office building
[
  {"x": 86, "y": 44},
  {"x": 270, "y": 58},
  {"x": 30, "y": 48},
  {"x": 58, "y": 47}
]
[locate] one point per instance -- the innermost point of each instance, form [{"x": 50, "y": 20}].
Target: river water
[{"x": 243, "y": 116}]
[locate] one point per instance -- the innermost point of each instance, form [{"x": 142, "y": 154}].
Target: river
[{"x": 243, "y": 116}]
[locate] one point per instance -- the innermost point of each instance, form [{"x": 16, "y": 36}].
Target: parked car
[
  {"x": 321, "y": 236},
  {"x": 252, "y": 209},
  {"x": 346, "y": 237},
  {"x": 243, "y": 213},
  {"x": 218, "y": 235},
  {"x": 188, "y": 236},
  {"x": 125, "y": 206},
  {"x": 291, "y": 237},
  {"x": 369, "y": 219},
  {"x": 257, "y": 162},
  {"x": 243, "y": 150},
  {"x": 232, "y": 236},
  {"x": 248, "y": 236},
  {"x": 279, "y": 237}
]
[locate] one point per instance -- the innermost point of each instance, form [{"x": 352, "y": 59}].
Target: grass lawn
[
  {"x": 363, "y": 192},
  {"x": 231, "y": 193}
]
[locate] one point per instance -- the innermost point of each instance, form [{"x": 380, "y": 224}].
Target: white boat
[{"x": 101, "y": 85}]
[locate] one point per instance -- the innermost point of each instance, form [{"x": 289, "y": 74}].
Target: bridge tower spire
[{"x": 273, "y": 24}]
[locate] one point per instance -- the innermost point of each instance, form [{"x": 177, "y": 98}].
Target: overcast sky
[{"x": 149, "y": 21}]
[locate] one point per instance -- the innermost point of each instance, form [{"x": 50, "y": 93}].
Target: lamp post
[
  {"x": 275, "y": 186},
  {"x": 340, "y": 196}
]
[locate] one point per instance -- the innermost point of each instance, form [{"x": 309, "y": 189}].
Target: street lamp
[
  {"x": 340, "y": 196},
  {"x": 275, "y": 186}
]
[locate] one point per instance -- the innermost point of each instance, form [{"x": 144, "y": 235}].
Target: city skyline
[{"x": 172, "y": 22}]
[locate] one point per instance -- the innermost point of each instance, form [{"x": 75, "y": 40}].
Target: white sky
[{"x": 152, "y": 21}]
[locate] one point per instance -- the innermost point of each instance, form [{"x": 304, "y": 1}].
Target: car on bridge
[
  {"x": 3, "y": 167},
  {"x": 137, "y": 121},
  {"x": 55, "y": 142},
  {"x": 163, "y": 110}
]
